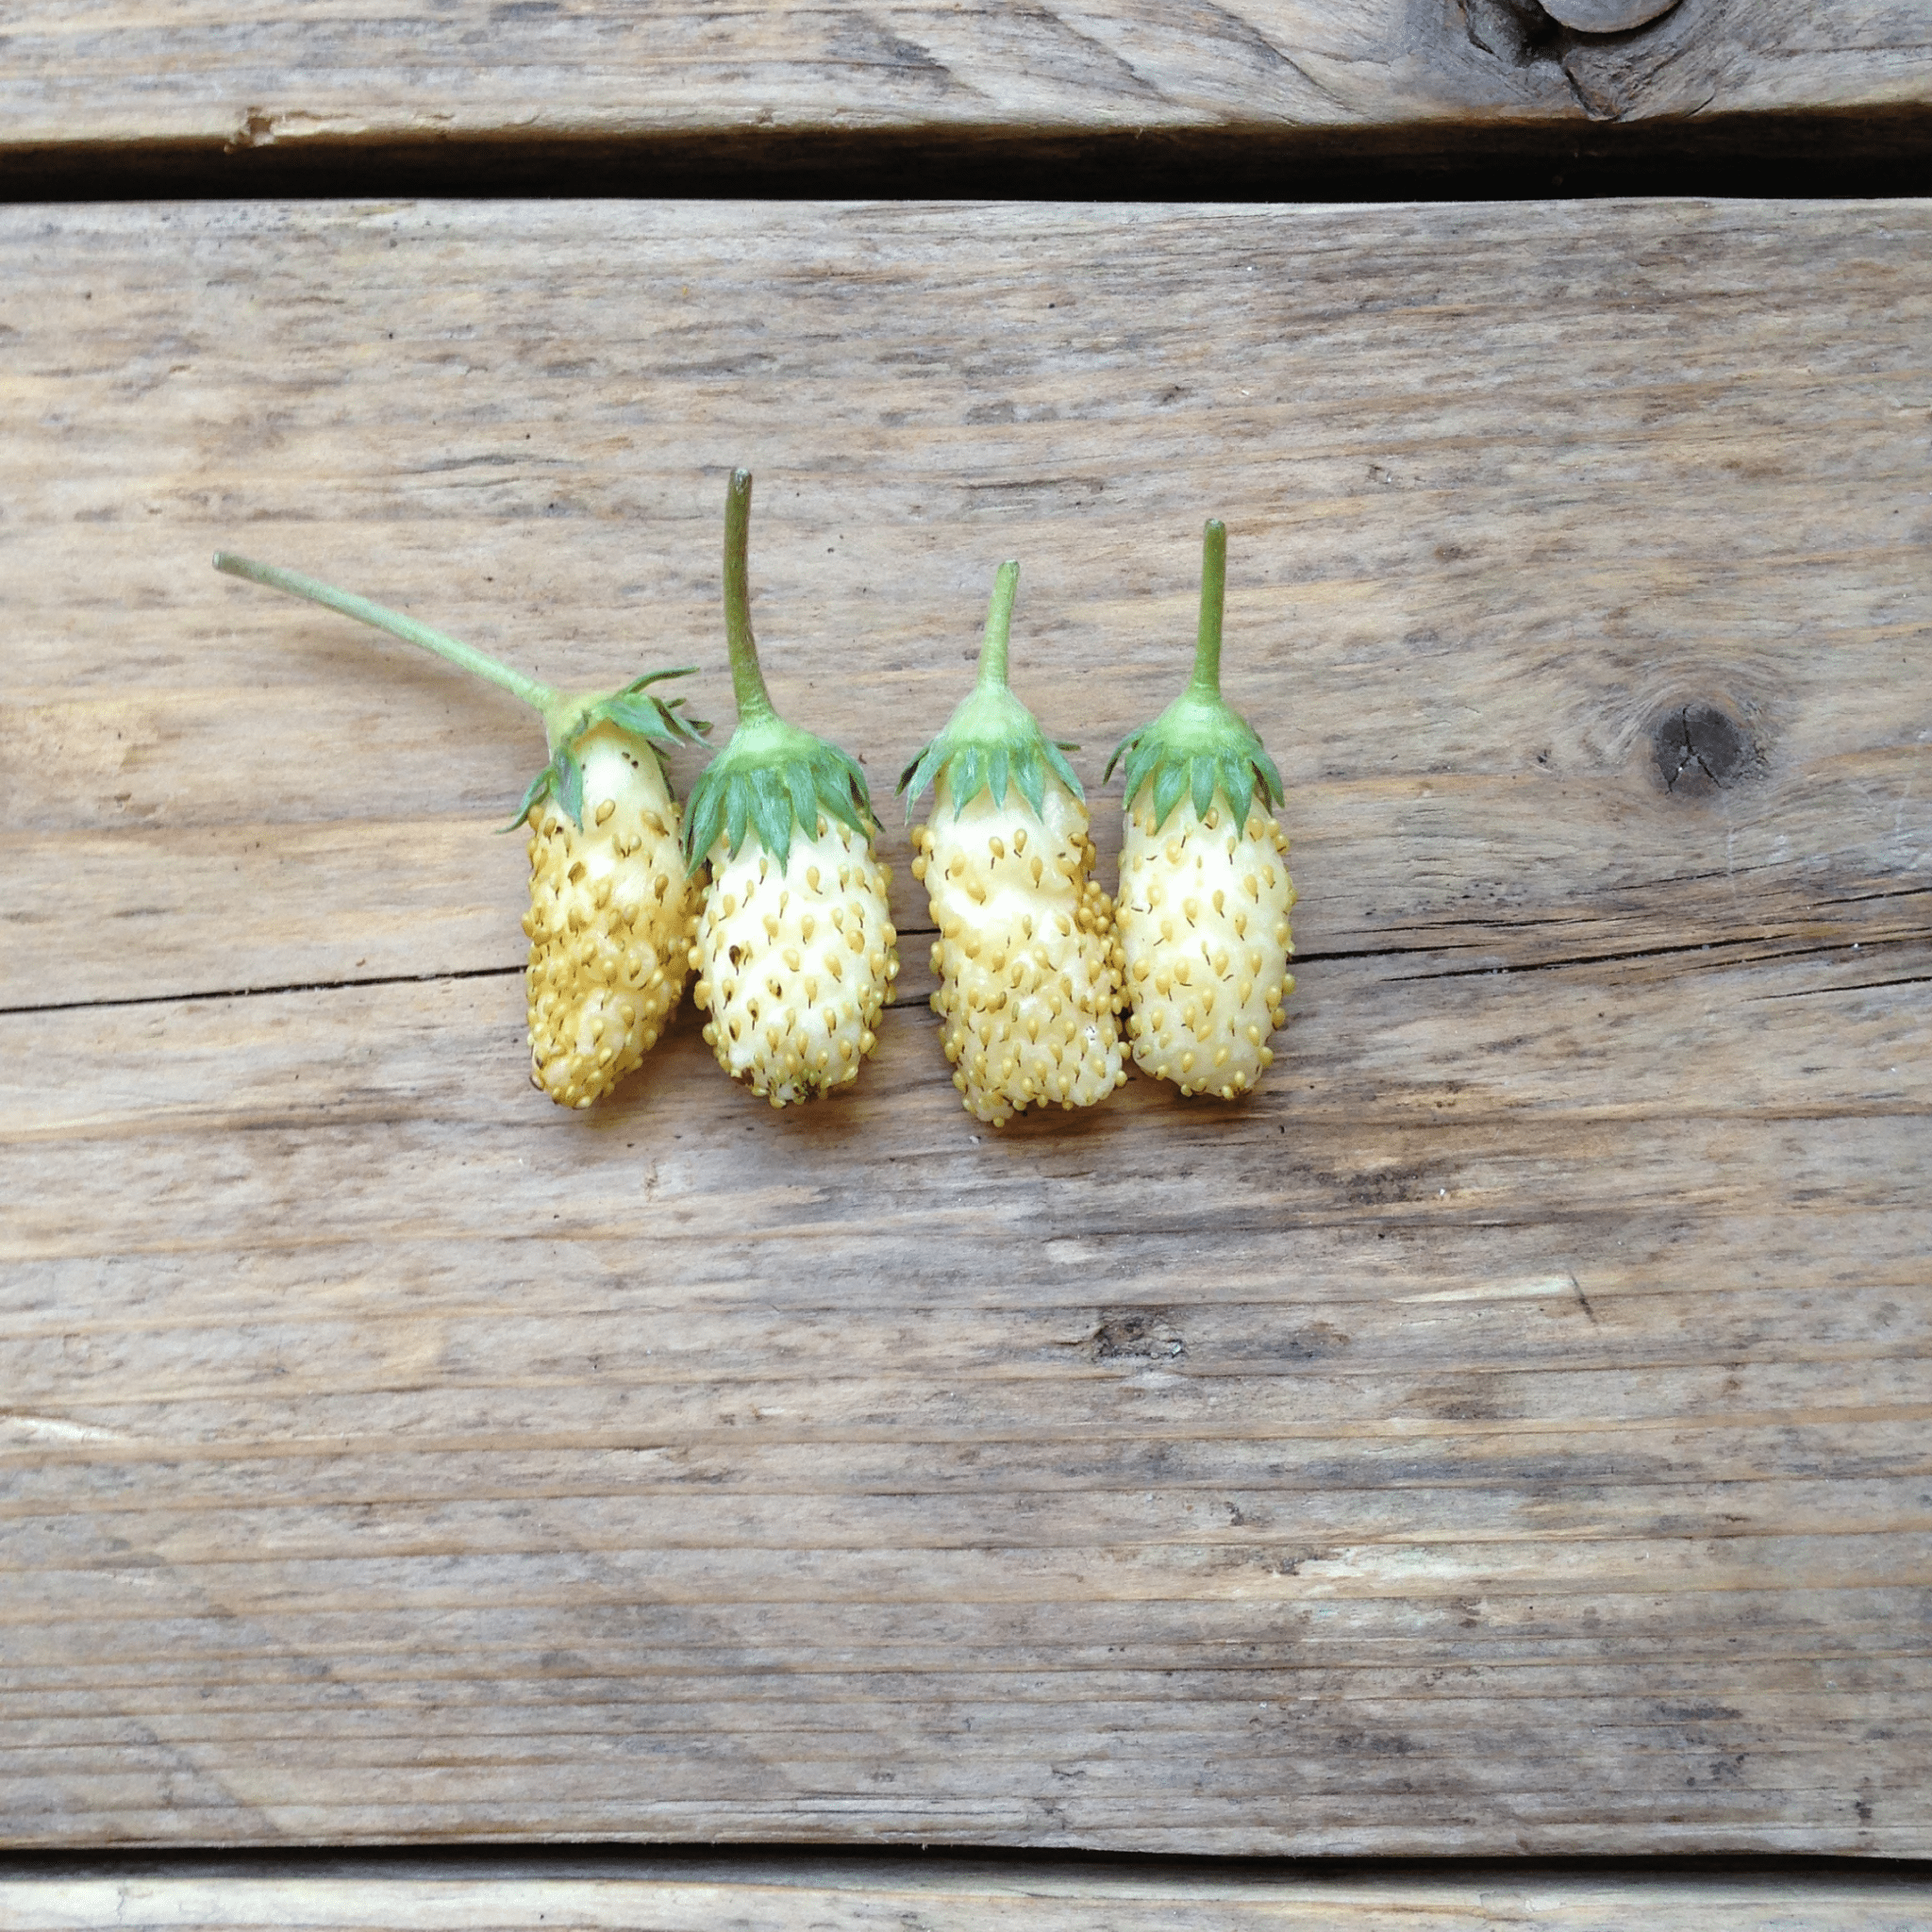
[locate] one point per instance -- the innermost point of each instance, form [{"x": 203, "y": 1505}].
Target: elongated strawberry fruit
[
  {"x": 610, "y": 918},
  {"x": 1204, "y": 894},
  {"x": 1028, "y": 963},
  {"x": 795, "y": 952}
]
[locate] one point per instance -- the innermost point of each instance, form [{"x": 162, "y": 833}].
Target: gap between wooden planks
[
  {"x": 836, "y": 85},
  {"x": 1506, "y": 1434}
]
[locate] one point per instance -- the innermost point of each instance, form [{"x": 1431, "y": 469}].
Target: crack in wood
[{"x": 1726, "y": 954}]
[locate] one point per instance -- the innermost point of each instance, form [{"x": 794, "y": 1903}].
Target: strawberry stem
[
  {"x": 999, "y": 624},
  {"x": 747, "y": 679},
  {"x": 1205, "y": 681},
  {"x": 539, "y": 697}
]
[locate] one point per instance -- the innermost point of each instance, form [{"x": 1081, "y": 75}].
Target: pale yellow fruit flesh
[
  {"x": 609, "y": 923},
  {"x": 1205, "y": 936},
  {"x": 795, "y": 962},
  {"x": 1027, "y": 958}
]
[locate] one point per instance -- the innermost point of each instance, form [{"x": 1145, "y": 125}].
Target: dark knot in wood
[
  {"x": 1701, "y": 749},
  {"x": 1137, "y": 1335},
  {"x": 1524, "y": 31},
  {"x": 1607, "y": 16}
]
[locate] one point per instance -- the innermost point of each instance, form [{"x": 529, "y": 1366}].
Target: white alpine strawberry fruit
[
  {"x": 1028, "y": 963},
  {"x": 795, "y": 951},
  {"x": 610, "y": 918},
  {"x": 1204, "y": 894}
]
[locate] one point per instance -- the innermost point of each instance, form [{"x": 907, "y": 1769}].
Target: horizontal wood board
[
  {"x": 399, "y": 1894},
  {"x": 88, "y": 73},
  {"x": 1505, "y": 1434}
]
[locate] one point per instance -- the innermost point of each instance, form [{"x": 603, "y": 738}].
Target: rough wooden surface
[
  {"x": 357, "y": 1894},
  {"x": 87, "y": 74},
  {"x": 1506, "y": 1434}
]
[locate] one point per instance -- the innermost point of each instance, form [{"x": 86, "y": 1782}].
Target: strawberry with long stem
[
  {"x": 609, "y": 917},
  {"x": 1204, "y": 894},
  {"x": 795, "y": 951}
]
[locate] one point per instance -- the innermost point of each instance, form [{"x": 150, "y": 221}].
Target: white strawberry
[
  {"x": 1204, "y": 894},
  {"x": 795, "y": 949},
  {"x": 609, "y": 916},
  {"x": 610, "y": 920},
  {"x": 1028, "y": 963}
]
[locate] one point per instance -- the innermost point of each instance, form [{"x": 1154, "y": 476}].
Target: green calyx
[
  {"x": 992, "y": 740},
  {"x": 567, "y": 715},
  {"x": 772, "y": 776},
  {"x": 633, "y": 710},
  {"x": 1200, "y": 744}
]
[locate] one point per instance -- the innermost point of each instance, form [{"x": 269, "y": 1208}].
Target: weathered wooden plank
[
  {"x": 1505, "y": 1434},
  {"x": 349, "y": 1494},
  {"x": 1501, "y": 511},
  {"x": 799, "y": 85},
  {"x": 357, "y": 1894}
]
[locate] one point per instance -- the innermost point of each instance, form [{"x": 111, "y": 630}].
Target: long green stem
[
  {"x": 747, "y": 679},
  {"x": 539, "y": 697},
  {"x": 999, "y": 624},
  {"x": 1205, "y": 681}
]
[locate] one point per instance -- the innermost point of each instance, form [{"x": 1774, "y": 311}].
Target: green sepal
[
  {"x": 1237, "y": 784},
  {"x": 771, "y": 811},
  {"x": 647, "y": 718},
  {"x": 538, "y": 788},
  {"x": 1203, "y": 775},
  {"x": 800, "y": 783},
  {"x": 1142, "y": 751},
  {"x": 1170, "y": 781},
  {"x": 1029, "y": 775},
  {"x": 993, "y": 741},
  {"x": 770, "y": 778},
  {"x": 923, "y": 770},
  {"x": 643, "y": 714},
  {"x": 1208, "y": 747},
  {"x": 737, "y": 813},
  {"x": 568, "y": 788},
  {"x": 1270, "y": 778},
  {"x": 562, "y": 779},
  {"x": 1054, "y": 756},
  {"x": 843, "y": 790},
  {"x": 968, "y": 774}
]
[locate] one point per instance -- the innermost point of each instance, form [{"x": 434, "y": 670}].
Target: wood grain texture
[
  {"x": 349, "y": 1894},
  {"x": 1507, "y": 1434},
  {"x": 91, "y": 73}
]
